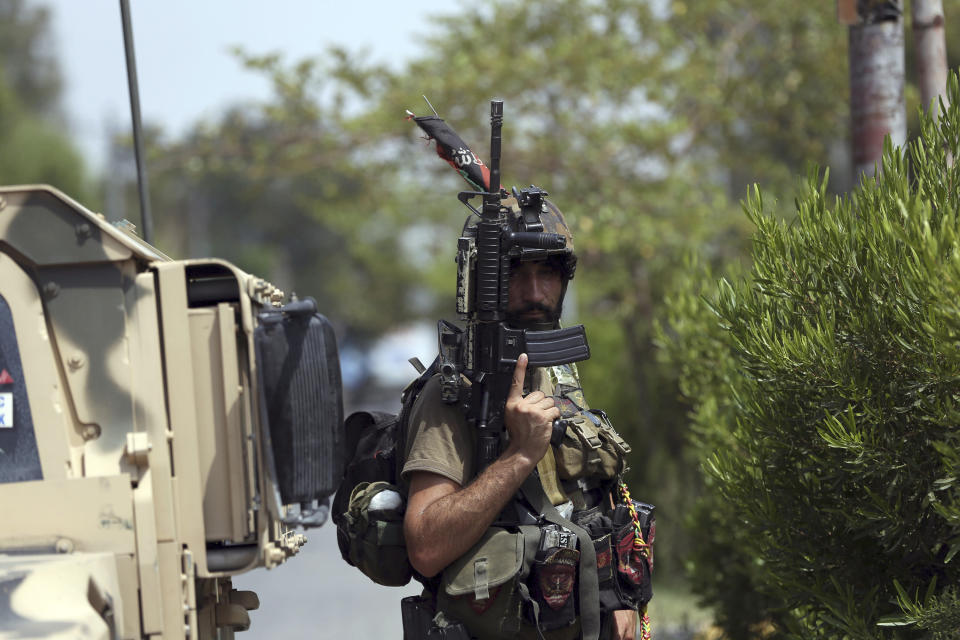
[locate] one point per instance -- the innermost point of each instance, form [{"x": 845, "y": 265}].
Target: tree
[
  {"x": 289, "y": 191},
  {"x": 825, "y": 399},
  {"x": 30, "y": 67},
  {"x": 640, "y": 121},
  {"x": 31, "y": 148},
  {"x": 644, "y": 120}
]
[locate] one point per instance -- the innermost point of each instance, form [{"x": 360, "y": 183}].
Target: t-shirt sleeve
[{"x": 438, "y": 439}]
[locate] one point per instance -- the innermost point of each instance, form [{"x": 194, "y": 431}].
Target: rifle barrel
[{"x": 496, "y": 124}]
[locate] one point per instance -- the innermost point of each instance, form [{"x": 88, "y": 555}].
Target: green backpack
[{"x": 370, "y": 502}]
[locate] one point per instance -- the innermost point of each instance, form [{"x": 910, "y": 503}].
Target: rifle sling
[{"x": 589, "y": 585}]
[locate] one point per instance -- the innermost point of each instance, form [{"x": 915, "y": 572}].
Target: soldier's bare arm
[{"x": 443, "y": 519}]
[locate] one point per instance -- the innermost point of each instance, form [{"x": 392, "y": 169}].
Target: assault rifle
[{"x": 486, "y": 352}]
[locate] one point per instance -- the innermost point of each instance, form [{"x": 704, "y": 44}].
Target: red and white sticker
[{"x": 6, "y": 410}]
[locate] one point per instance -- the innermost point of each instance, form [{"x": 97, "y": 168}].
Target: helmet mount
[{"x": 534, "y": 228}]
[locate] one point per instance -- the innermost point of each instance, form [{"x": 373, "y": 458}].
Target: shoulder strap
[
  {"x": 589, "y": 585},
  {"x": 407, "y": 398},
  {"x": 547, "y": 468}
]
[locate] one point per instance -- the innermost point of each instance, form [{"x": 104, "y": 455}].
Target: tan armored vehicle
[{"x": 164, "y": 425}]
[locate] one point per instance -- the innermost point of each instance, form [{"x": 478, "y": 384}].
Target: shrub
[{"x": 825, "y": 388}]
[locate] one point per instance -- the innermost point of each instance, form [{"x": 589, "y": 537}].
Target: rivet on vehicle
[
  {"x": 64, "y": 545},
  {"x": 91, "y": 432},
  {"x": 51, "y": 289}
]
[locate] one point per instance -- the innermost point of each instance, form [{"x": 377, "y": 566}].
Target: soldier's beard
[{"x": 535, "y": 316}]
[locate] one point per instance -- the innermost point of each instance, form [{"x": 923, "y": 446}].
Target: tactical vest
[{"x": 522, "y": 574}]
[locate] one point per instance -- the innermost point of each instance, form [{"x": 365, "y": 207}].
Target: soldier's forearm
[{"x": 447, "y": 527}]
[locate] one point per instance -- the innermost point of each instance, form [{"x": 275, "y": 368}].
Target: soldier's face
[{"x": 535, "y": 292}]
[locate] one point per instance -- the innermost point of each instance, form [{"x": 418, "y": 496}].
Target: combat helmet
[{"x": 529, "y": 210}]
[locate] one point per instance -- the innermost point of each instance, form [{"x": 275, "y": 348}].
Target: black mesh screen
[{"x": 301, "y": 391}]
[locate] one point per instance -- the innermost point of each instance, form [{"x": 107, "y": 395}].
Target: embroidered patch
[
  {"x": 603, "y": 558},
  {"x": 557, "y": 575},
  {"x": 627, "y": 559},
  {"x": 567, "y": 408}
]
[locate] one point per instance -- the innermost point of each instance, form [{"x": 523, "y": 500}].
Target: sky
[{"x": 186, "y": 72}]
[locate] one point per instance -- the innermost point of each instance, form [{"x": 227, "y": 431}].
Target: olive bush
[{"x": 825, "y": 387}]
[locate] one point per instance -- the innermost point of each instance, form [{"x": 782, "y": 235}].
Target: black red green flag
[{"x": 452, "y": 148}]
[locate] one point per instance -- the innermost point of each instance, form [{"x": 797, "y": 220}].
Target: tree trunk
[
  {"x": 876, "y": 82},
  {"x": 930, "y": 47}
]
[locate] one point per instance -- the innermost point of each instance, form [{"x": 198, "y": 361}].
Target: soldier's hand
[
  {"x": 529, "y": 419},
  {"x": 624, "y": 625}
]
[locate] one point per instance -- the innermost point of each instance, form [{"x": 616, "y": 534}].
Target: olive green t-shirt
[{"x": 440, "y": 441}]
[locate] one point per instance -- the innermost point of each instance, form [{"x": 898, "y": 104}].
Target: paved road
[{"x": 317, "y": 595}]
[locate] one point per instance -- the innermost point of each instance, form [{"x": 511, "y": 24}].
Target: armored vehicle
[{"x": 164, "y": 425}]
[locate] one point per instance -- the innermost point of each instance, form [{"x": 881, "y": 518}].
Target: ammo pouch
[
  {"x": 373, "y": 537},
  {"x": 483, "y": 588},
  {"x": 634, "y": 568},
  {"x": 495, "y": 588},
  {"x": 553, "y": 580},
  {"x": 590, "y": 447},
  {"x": 624, "y": 573}
]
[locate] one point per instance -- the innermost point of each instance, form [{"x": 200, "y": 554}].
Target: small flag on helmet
[{"x": 452, "y": 148}]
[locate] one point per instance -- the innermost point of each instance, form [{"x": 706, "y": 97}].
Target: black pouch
[
  {"x": 610, "y": 597},
  {"x": 600, "y": 528},
  {"x": 634, "y": 565},
  {"x": 417, "y": 614},
  {"x": 553, "y": 581},
  {"x": 421, "y": 621}
]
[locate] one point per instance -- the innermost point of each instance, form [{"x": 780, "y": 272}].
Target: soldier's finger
[
  {"x": 534, "y": 397},
  {"x": 519, "y": 373},
  {"x": 546, "y": 402}
]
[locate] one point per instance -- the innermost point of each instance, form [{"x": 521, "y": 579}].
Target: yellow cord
[
  {"x": 638, "y": 542},
  {"x": 645, "y": 626},
  {"x": 644, "y": 549}
]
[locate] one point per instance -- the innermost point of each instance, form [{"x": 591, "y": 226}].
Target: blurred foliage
[
  {"x": 290, "y": 190},
  {"x": 626, "y": 113},
  {"x": 32, "y": 149},
  {"x": 824, "y": 387},
  {"x": 645, "y": 120},
  {"x": 30, "y": 66}
]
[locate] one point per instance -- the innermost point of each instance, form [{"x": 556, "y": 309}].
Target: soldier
[{"x": 498, "y": 567}]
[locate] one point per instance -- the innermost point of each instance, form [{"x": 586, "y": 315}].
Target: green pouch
[
  {"x": 614, "y": 444},
  {"x": 584, "y": 452},
  {"x": 376, "y": 543},
  {"x": 480, "y": 589}
]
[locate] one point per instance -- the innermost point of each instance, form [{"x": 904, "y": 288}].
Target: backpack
[{"x": 370, "y": 502}]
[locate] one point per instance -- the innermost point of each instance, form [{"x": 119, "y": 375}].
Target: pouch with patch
[
  {"x": 480, "y": 589},
  {"x": 634, "y": 565},
  {"x": 553, "y": 580}
]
